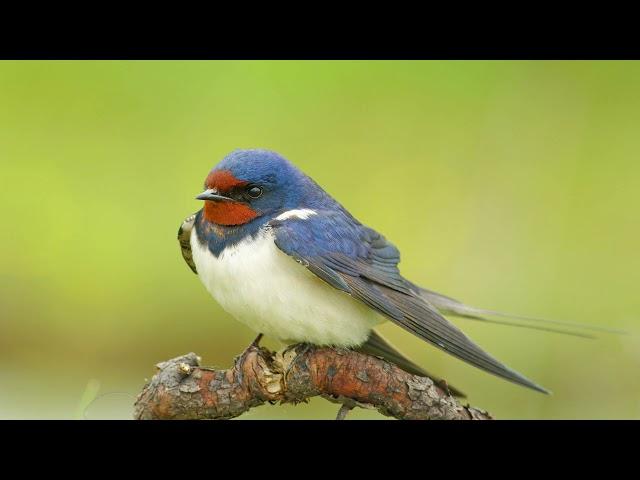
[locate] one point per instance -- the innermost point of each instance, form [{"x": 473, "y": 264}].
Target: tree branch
[{"x": 182, "y": 389}]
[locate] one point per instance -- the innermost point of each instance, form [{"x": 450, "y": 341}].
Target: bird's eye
[{"x": 253, "y": 191}]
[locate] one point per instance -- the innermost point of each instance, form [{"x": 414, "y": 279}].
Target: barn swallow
[{"x": 282, "y": 256}]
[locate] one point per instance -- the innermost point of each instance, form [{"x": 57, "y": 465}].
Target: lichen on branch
[{"x": 183, "y": 389}]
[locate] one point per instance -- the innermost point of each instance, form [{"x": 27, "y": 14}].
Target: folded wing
[
  {"x": 184, "y": 239},
  {"x": 359, "y": 261}
]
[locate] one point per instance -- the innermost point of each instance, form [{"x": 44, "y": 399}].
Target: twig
[
  {"x": 182, "y": 389},
  {"x": 344, "y": 411}
]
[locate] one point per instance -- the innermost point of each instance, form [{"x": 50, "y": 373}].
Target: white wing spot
[{"x": 302, "y": 214}]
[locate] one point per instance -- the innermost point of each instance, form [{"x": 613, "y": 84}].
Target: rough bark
[{"x": 182, "y": 389}]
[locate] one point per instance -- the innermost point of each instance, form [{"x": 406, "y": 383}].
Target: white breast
[{"x": 270, "y": 292}]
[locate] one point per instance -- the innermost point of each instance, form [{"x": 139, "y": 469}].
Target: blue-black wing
[{"x": 359, "y": 261}]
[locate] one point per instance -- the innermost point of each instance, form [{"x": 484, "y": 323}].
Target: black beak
[{"x": 213, "y": 195}]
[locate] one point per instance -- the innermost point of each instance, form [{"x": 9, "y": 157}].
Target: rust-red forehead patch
[{"x": 223, "y": 181}]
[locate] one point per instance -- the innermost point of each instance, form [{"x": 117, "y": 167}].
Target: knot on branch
[{"x": 183, "y": 389}]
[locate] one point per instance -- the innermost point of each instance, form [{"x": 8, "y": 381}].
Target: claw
[
  {"x": 239, "y": 360},
  {"x": 301, "y": 348}
]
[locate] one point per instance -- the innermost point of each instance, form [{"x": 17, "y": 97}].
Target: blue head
[{"x": 248, "y": 184}]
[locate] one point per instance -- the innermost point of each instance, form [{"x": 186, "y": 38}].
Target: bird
[{"x": 282, "y": 256}]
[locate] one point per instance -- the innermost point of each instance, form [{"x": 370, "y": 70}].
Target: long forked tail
[{"x": 454, "y": 307}]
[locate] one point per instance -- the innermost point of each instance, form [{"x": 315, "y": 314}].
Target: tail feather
[
  {"x": 422, "y": 319},
  {"x": 532, "y": 327},
  {"x": 455, "y": 307}
]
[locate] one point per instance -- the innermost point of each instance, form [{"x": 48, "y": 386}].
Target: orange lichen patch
[
  {"x": 208, "y": 397},
  {"x": 228, "y": 213},
  {"x": 162, "y": 408},
  {"x": 223, "y": 181},
  {"x": 353, "y": 377}
]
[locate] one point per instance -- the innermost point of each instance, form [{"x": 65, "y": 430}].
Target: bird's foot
[
  {"x": 300, "y": 349},
  {"x": 240, "y": 359},
  {"x": 256, "y": 341}
]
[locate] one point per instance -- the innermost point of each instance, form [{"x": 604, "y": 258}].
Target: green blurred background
[{"x": 510, "y": 185}]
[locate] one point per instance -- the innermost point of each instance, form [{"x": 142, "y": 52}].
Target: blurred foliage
[{"x": 510, "y": 185}]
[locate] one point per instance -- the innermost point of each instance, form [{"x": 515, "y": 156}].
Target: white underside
[{"x": 270, "y": 292}]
